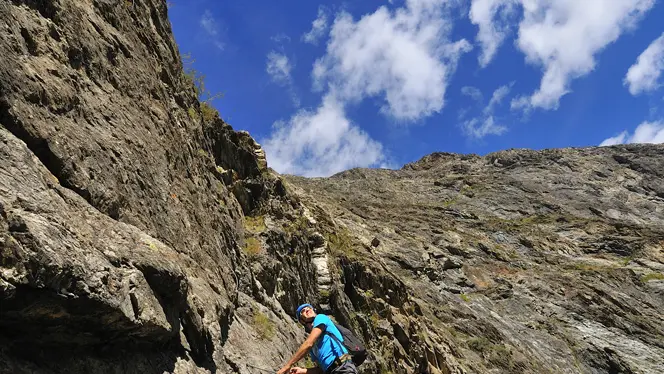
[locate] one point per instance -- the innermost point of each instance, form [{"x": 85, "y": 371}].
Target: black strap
[{"x": 338, "y": 341}]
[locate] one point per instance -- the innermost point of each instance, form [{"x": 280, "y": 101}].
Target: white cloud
[
  {"x": 493, "y": 19},
  {"x": 211, "y": 27},
  {"x": 487, "y": 127},
  {"x": 320, "y": 143},
  {"x": 280, "y": 38},
  {"x": 279, "y": 68},
  {"x": 403, "y": 56},
  {"x": 318, "y": 28},
  {"x": 618, "y": 139},
  {"x": 485, "y": 124},
  {"x": 647, "y": 132},
  {"x": 473, "y": 92},
  {"x": 564, "y": 36},
  {"x": 643, "y": 76},
  {"x": 561, "y": 36},
  {"x": 497, "y": 97}
]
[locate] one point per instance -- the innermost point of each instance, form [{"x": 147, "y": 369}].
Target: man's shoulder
[{"x": 322, "y": 319}]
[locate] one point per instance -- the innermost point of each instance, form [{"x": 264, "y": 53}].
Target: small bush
[
  {"x": 255, "y": 224},
  {"x": 196, "y": 79},
  {"x": 299, "y": 225},
  {"x": 479, "y": 344},
  {"x": 306, "y": 363},
  {"x": 341, "y": 242},
  {"x": 252, "y": 246},
  {"x": 652, "y": 276},
  {"x": 193, "y": 115},
  {"x": 208, "y": 112},
  {"x": 263, "y": 326},
  {"x": 375, "y": 319}
]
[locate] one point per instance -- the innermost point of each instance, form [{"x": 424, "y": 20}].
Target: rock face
[
  {"x": 137, "y": 236},
  {"x": 520, "y": 261},
  {"x": 122, "y": 225}
]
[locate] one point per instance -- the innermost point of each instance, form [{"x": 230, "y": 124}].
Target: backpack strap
[{"x": 338, "y": 341}]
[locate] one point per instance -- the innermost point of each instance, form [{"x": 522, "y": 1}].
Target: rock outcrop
[
  {"x": 139, "y": 236},
  {"x": 123, "y": 212},
  {"x": 517, "y": 262}
]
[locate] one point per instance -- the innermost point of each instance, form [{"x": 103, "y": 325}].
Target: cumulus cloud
[
  {"x": 644, "y": 75},
  {"x": 279, "y": 68},
  {"x": 485, "y": 124},
  {"x": 320, "y": 143},
  {"x": 647, "y": 132},
  {"x": 211, "y": 27},
  {"x": 318, "y": 28},
  {"x": 564, "y": 36},
  {"x": 403, "y": 57},
  {"x": 493, "y": 19}
]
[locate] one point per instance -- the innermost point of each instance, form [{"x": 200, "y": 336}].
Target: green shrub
[
  {"x": 252, "y": 246},
  {"x": 263, "y": 326},
  {"x": 255, "y": 224},
  {"x": 341, "y": 242},
  {"x": 196, "y": 79},
  {"x": 481, "y": 344},
  {"x": 193, "y": 114},
  {"x": 652, "y": 276},
  {"x": 208, "y": 112},
  {"x": 299, "y": 225}
]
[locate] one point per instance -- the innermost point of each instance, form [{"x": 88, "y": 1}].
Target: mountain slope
[{"x": 519, "y": 261}]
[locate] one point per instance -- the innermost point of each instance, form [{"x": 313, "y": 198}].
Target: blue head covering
[{"x": 299, "y": 310}]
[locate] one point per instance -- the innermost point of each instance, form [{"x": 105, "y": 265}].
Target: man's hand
[
  {"x": 284, "y": 370},
  {"x": 297, "y": 370}
]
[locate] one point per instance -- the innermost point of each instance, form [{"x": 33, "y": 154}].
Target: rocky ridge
[
  {"x": 519, "y": 262},
  {"x": 137, "y": 235}
]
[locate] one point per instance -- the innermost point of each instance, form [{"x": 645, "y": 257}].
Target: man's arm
[{"x": 304, "y": 349}]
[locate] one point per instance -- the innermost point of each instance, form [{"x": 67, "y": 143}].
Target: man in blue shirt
[{"x": 330, "y": 355}]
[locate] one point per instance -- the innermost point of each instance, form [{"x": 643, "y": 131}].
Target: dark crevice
[
  {"x": 37, "y": 145},
  {"x": 29, "y": 41},
  {"x": 225, "y": 326},
  {"x": 200, "y": 341},
  {"x": 47, "y": 8},
  {"x": 233, "y": 366},
  {"x": 25, "y": 358},
  {"x": 44, "y": 317},
  {"x": 134, "y": 305},
  {"x": 41, "y": 148}
]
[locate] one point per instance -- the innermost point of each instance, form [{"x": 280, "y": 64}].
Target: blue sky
[{"x": 327, "y": 86}]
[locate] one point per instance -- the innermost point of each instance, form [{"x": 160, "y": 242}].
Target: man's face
[{"x": 307, "y": 317}]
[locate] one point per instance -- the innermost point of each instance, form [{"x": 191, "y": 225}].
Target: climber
[{"x": 330, "y": 355}]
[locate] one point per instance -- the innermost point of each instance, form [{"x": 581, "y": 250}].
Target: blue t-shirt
[{"x": 326, "y": 349}]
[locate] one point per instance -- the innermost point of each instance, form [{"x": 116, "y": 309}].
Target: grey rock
[
  {"x": 137, "y": 236},
  {"x": 548, "y": 284}
]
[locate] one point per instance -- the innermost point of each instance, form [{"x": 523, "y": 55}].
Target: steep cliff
[
  {"x": 122, "y": 222},
  {"x": 137, "y": 236}
]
